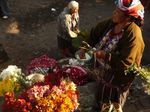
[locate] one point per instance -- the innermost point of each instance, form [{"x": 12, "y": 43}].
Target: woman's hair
[
  {"x": 73, "y": 4},
  {"x": 137, "y": 21}
]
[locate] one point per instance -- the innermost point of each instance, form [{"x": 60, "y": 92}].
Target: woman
[
  {"x": 119, "y": 44},
  {"x": 68, "y": 28}
]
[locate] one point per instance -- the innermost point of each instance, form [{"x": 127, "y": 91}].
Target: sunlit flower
[
  {"x": 8, "y": 85},
  {"x": 12, "y": 71},
  {"x": 35, "y": 77},
  {"x": 61, "y": 98},
  {"x": 37, "y": 92}
]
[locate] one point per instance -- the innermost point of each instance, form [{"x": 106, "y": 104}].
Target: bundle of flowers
[
  {"x": 9, "y": 79},
  {"x": 76, "y": 73},
  {"x": 11, "y": 72},
  {"x": 62, "y": 98},
  {"x": 11, "y": 104},
  {"x": 55, "y": 70},
  {"x": 13, "y": 80},
  {"x": 53, "y": 78},
  {"x": 8, "y": 85},
  {"x": 43, "y": 65},
  {"x": 43, "y": 98}
]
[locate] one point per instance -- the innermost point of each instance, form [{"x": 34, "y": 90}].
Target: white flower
[
  {"x": 35, "y": 77},
  {"x": 73, "y": 62},
  {"x": 12, "y": 71}
]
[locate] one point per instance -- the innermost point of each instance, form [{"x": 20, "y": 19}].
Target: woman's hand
[{"x": 100, "y": 54}]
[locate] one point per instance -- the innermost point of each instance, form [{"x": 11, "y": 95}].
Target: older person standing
[{"x": 68, "y": 28}]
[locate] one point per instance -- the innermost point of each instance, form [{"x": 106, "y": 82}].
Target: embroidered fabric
[
  {"x": 108, "y": 44},
  {"x": 109, "y": 41}
]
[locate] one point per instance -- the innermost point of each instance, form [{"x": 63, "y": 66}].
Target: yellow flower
[
  {"x": 60, "y": 99},
  {"x": 8, "y": 85}
]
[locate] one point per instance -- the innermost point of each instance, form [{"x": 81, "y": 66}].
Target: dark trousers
[{"x": 4, "y": 8}]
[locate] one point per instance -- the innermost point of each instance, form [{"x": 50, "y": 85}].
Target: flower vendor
[{"x": 119, "y": 44}]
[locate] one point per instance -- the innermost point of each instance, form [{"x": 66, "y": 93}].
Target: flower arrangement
[
  {"x": 9, "y": 79},
  {"x": 41, "y": 91},
  {"x": 43, "y": 98},
  {"x": 11, "y": 72},
  {"x": 62, "y": 98},
  {"x": 12, "y": 104},
  {"x": 76, "y": 73},
  {"x": 37, "y": 92},
  {"x": 8, "y": 85},
  {"x": 13, "y": 80}
]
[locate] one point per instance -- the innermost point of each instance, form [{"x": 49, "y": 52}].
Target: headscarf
[
  {"x": 131, "y": 7},
  {"x": 73, "y": 4}
]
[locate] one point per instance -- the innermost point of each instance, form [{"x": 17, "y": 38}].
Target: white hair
[{"x": 73, "y": 4}]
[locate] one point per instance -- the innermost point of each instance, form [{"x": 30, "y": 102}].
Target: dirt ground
[{"x": 31, "y": 29}]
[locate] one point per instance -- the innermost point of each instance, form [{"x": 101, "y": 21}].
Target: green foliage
[
  {"x": 142, "y": 71},
  {"x": 82, "y": 36}
]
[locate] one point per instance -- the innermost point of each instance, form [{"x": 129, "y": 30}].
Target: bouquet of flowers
[
  {"x": 11, "y": 72},
  {"x": 8, "y": 85},
  {"x": 41, "y": 91},
  {"x": 62, "y": 98},
  {"x": 11, "y": 104},
  {"x": 9, "y": 79},
  {"x": 44, "y": 98}
]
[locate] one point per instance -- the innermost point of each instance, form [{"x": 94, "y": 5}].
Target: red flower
[
  {"x": 76, "y": 73},
  {"x": 44, "y": 63},
  {"x": 15, "y": 105}
]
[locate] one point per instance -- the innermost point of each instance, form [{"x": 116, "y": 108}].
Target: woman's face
[
  {"x": 118, "y": 16},
  {"x": 74, "y": 10}
]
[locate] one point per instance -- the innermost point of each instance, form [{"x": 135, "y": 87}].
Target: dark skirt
[
  {"x": 109, "y": 92},
  {"x": 65, "y": 44}
]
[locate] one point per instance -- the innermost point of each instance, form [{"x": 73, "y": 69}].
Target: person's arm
[
  {"x": 78, "y": 23},
  {"x": 130, "y": 52},
  {"x": 98, "y": 32},
  {"x": 67, "y": 23}
]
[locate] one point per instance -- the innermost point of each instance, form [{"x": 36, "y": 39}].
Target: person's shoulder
[
  {"x": 135, "y": 31},
  {"x": 64, "y": 12},
  {"x": 134, "y": 27}
]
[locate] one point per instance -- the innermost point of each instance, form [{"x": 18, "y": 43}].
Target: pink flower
[{"x": 37, "y": 92}]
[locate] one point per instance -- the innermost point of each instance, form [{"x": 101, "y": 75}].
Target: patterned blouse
[
  {"x": 109, "y": 41},
  {"x": 108, "y": 44}
]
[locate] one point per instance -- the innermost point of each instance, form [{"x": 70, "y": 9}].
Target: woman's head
[
  {"x": 119, "y": 16},
  {"x": 73, "y": 7},
  {"x": 132, "y": 9}
]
